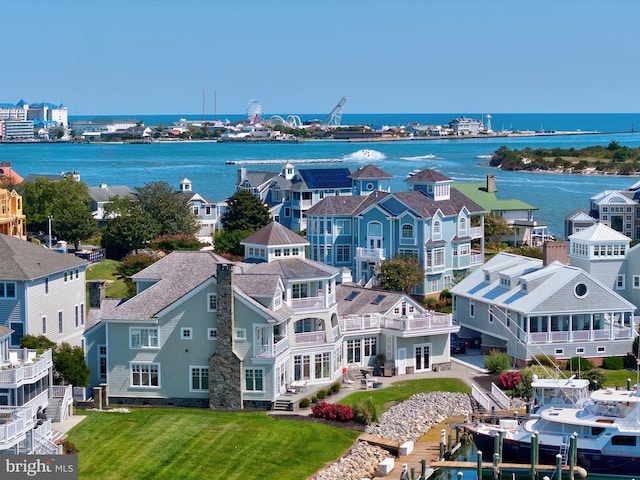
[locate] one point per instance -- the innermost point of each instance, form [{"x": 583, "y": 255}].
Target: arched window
[
  {"x": 407, "y": 231},
  {"x": 436, "y": 228},
  {"x": 463, "y": 224},
  {"x": 374, "y": 229}
]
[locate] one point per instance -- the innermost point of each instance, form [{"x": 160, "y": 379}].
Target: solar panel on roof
[
  {"x": 352, "y": 295},
  {"x": 326, "y": 177}
]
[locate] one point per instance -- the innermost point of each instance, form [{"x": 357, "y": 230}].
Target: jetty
[{"x": 279, "y": 162}]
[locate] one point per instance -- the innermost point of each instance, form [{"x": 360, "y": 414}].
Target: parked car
[{"x": 457, "y": 344}]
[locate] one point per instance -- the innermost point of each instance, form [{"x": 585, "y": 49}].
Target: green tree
[
  {"x": 70, "y": 365},
  {"x": 495, "y": 227},
  {"x": 229, "y": 242},
  {"x": 67, "y": 200},
  {"x": 39, "y": 343},
  {"x": 130, "y": 265},
  {"x": 168, "y": 207},
  {"x": 129, "y": 232},
  {"x": 401, "y": 273},
  {"x": 245, "y": 212}
]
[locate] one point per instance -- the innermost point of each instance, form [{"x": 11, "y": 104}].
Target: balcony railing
[
  {"x": 477, "y": 259},
  {"x": 617, "y": 333},
  {"x": 476, "y": 232},
  {"x": 18, "y": 420},
  {"x": 272, "y": 350},
  {"x": 25, "y": 371},
  {"x": 377, "y": 253},
  {"x": 307, "y": 303},
  {"x": 418, "y": 323},
  {"x": 352, "y": 323},
  {"x": 310, "y": 337}
]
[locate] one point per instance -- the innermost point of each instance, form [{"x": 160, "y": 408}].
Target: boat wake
[
  {"x": 364, "y": 155},
  {"x": 429, "y": 156}
]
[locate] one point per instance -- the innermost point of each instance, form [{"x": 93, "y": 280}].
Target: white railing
[
  {"x": 20, "y": 420},
  {"x": 500, "y": 397},
  {"x": 477, "y": 259},
  {"x": 475, "y": 232},
  {"x": 359, "y": 322},
  {"x": 42, "y": 445},
  {"x": 559, "y": 336},
  {"x": 484, "y": 401},
  {"x": 579, "y": 335},
  {"x": 307, "y": 303},
  {"x": 310, "y": 337},
  {"x": 271, "y": 350},
  {"x": 378, "y": 253},
  {"x": 26, "y": 372},
  {"x": 65, "y": 392},
  {"x": 418, "y": 323}
]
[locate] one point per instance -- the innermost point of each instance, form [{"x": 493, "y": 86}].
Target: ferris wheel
[{"x": 254, "y": 111}]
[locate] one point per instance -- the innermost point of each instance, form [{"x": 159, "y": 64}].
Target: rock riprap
[{"x": 405, "y": 421}]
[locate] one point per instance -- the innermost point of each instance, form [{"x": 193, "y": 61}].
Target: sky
[{"x": 153, "y": 57}]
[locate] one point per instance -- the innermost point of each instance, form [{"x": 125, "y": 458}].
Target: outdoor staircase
[
  {"x": 53, "y": 409},
  {"x": 283, "y": 405}
]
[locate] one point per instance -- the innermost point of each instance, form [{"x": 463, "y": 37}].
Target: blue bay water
[{"x": 203, "y": 163}]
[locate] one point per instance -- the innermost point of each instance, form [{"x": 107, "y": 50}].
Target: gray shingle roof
[
  {"x": 274, "y": 234},
  {"x": 370, "y": 172},
  {"x": 427, "y": 175},
  {"x": 363, "y": 300},
  {"x": 426, "y": 207},
  {"x": 258, "y": 285},
  {"x": 4, "y": 331},
  {"x": 291, "y": 269},
  {"x": 22, "y": 260},
  {"x": 99, "y": 194},
  {"x": 345, "y": 205}
]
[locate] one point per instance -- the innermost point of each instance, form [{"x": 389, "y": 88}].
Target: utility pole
[{"x": 50, "y": 217}]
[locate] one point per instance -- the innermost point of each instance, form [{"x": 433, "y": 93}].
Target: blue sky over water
[{"x": 301, "y": 56}]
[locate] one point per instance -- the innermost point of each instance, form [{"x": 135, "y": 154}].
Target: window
[
  {"x": 82, "y": 314},
  {"x": 580, "y": 290},
  {"x": 77, "y": 315},
  {"x": 370, "y": 347},
  {"x": 343, "y": 253},
  {"x": 240, "y": 333},
  {"x": 212, "y": 302},
  {"x": 472, "y": 308},
  {"x": 559, "y": 351},
  {"x": 7, "y": 290},
  {"x": 579, "y": 350},
  {"x": 408, "y": 252},
  {"x": 60, "y": 323},
  {"x": 435, "y": 257},
  {"x": 447, "y": 282},
  {"x": 212, "y": 333},
  {"x": 254, "y": 381},
  {"x": 601, "y": 349},
  {"x": 407, "y": 231},
  {"x": 464, "y": 249},
  {"x": 462, "y": 224},
  {"x": 620, "y": 282},
  {"x": 44, "y": 325},
  {"x": 186, "y": 333},
  {"x": 287, "y": 212},
  {"x": 436, "y": 228},
  {"x": 145, "y": 375},
  {"x": 374, "y": 229},
  {"x": 636, "y": 281},
  {"x": 102, "y": 361},
  {"x": 300, "y": 290},
  {"x": 46, "y": 286},
  {"x": 354, "y": 351},
  {"x": 343, "y": 227},
  {"x": 199, "y": 379},
  {"x": 143, "y": 338}
]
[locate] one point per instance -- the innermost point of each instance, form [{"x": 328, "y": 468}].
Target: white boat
[{"x": 607, "y": 424}]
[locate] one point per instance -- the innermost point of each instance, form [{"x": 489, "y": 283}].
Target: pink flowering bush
[
  {"x": 510, "y": 380},
  {"x": 332, "y": 411}
]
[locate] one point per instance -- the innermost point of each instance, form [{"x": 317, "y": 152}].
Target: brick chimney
[
  {"x": 552, "y": 251},
  {"x": 491, "y": 183}
]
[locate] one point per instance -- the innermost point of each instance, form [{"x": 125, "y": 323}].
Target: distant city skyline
[{"x": 301, "y": 57}]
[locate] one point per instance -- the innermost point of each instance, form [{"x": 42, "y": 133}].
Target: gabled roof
[
  {"x": 356, "y": 300},
  {"x": 99, "y": 194},
  {"x": 258, "y": 285},
  {"x": 175, "y": 275},
  {"x": 4, "y": 331},
  {"x": 427, "y": 175},
  {"x": 580, "y": 216},
  {"x": 489, "y": 200},
  {"x": 273, "y": 235},
  {"x": 256, "y": 179},
  {"x": 32, "y": 177},
  {"x": 599, "y": 232},
  {"x": 345, "y": 205},
  {"x": 326, "y": 177},
  {"x": 22, "y": 260},
  {"x": 426, "y": 207},
  {"x": 370, "y": 172}
]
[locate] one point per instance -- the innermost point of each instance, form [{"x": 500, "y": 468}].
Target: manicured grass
[
  {"x": 162, "y": 443},
  {"x": 618, "y": 378},
  {"x": 403, "y": 389},
  {"x": 105, "y": 270}
]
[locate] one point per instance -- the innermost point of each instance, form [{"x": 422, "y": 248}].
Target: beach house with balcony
[
  {"x": 527, "y": 307},
  {"x": 28, "y": 400},
  {"x": 202, "y": 331},
  {"x": 42, "y": 292},
  {"x": 208, "y": 212},
  {"x": 438, "y": 225}
]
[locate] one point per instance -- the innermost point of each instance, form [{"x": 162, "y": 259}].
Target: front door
[
  {"x": 422, "y": 357},
  {"x": 401, "y": 363}
]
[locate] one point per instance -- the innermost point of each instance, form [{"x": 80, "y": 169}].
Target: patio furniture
[
  {"x": 367, "y": 383},
  {"x": 13, "y": 359},
  {"x": 299, "y": 385}
]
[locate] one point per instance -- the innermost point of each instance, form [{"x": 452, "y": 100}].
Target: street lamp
[{"x": 50, "y": 217}]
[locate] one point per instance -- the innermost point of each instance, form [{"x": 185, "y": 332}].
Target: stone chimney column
[{"x": 225, "y": 368}]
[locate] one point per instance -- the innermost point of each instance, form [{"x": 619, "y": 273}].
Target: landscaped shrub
[
  {"x": 335, "y": 387},
  {"x": 332, "y": 411},
  {"x": 630, "y": 361},
  {"x": 579, "y": 364},
  {"x": 597, "y": 378},
  {"x": 169, "y": 243},
  {"x": 544, "y": 361},
  {"x": 509, "y": 380},
  {"x": 322, "y": 394},
  {"x": 304, "y": 403},
  {"x": 612, "y": 363},
  {"x": 365, "y": 412},
  {"x": 497, "y": 362},
  {"x": 523, "y": 389},
  {"x": 314, "y": 399}
]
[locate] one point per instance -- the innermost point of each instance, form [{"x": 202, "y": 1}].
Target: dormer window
[{"x": 523, "y": 287}]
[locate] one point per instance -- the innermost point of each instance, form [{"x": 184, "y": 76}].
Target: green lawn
[
  {"x": 159, "y": 443},
  {"x": 403, "y": 389},
  {"x": 105, "y": 270},
  {"x": 618, "y": 378}
]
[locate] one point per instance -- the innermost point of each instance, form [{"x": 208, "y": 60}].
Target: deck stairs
[
  {"x": 53, "y": 409},
  {"x": 283, "y": 405}
]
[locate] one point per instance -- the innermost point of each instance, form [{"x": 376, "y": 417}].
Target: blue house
[{"x": 438, "y": 225}]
